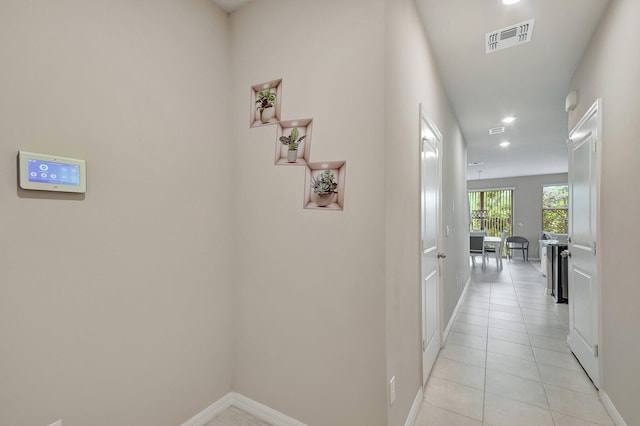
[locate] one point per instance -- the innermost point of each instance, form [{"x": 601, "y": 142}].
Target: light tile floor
[{"x": 506, "y": 361}]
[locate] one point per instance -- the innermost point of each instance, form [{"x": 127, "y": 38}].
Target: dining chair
[
  {"x": 498, "y": 249},
  {"x": 518, "y": 243},
  {"x": 476, "y": 248}
]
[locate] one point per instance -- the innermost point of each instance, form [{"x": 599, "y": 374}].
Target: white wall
[
  {"x": 527, "y": 203},
  {"x": 411, "y": 78},
  {"x": 310, "y": 284},
  {"x": 609, "y": 69},
  {"x": 115, "y": 308}
]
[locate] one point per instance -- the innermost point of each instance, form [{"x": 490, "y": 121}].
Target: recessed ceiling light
[
  {"x": 509, "y": 119},
  {"x": 508, "y": 2},
  {"x": 505, "y": 144}
]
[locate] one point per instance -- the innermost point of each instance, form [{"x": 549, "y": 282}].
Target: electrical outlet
[
  {"x": 58, "y": 423},
  {"x": 392, "y": 390}
]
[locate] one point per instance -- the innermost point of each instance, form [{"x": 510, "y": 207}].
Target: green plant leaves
[
  {"x": 266, "y": 98},
  {"x": 292, "y": 140},
  {"x": 325, "y": 183}
]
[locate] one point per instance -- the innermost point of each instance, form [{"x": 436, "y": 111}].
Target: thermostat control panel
[{"x": 44, "y": 172}]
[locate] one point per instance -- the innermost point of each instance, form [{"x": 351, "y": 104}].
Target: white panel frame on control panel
[{"x": 25, "y": 183}]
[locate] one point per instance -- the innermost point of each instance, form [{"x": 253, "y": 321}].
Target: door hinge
[
  {"x": 595, "y": 351},
  {"x": 424, "y": 345},
  {"x": 569, "y": 239},
  {"x": 594, "y": 248}
]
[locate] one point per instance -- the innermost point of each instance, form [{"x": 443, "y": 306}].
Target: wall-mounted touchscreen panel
[{"x": 51, "y": 173}]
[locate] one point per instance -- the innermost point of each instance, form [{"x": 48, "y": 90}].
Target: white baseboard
[
  {"x": 263, "y": 412},
  {"x": 611, "y": 409},
  {"x": 455, "y": 311},
  {"x": 252, "y": 407},
  {"x": 206, "y": 415},
  {"x": 415, "y": 408}
]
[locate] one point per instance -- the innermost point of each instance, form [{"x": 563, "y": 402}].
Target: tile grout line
[
  {"x": 556, "y": 315},
  {"x": 486, "y": 353},
  {"x": 544, "y": 389},
  {"x": 549, "y": 304},
  {"x": 501, "y": 288},
  {"x": 486, "y": 337}
]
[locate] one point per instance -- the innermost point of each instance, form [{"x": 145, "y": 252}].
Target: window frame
[
  {"x": 543, "y": 208},
  {"x": 512, "y": 191}
]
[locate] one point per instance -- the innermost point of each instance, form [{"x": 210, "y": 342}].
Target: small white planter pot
[
  {"x": 292, "y": 156},
  {"x": 267, "y": 114},
  {"x": 322, "y": 200}
]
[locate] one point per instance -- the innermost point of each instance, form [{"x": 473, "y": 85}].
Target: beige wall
[
  {"x": 610, "y": 69},
  {"x": 115, "y": 309},
  {"x": 309, "y": 283},
  {"x": 527, "y": 203},
  {"x": 302, "y": 336},
  {"x": 190, "y": 269},
  {"x": 412, "y": 78}
]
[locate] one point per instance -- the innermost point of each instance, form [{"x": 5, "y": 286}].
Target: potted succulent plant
[
  {"x": 324, "y": 188},
  {"x": 292, "y": 141},
  {"x": 265, "y": 104}
]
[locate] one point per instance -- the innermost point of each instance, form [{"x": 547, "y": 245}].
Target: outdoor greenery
[
  {"x": 491, "y": 210},
  {"x": 555, "y": 209}
]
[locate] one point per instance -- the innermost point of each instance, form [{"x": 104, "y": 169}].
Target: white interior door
[
  {"x": 430, "y": 141},
  {"x": 584, "y": 288}
]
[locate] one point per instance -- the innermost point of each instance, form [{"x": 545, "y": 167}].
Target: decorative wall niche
[
  {"x": 314, "y": 171},
  {"x": 327, "y": 176},
  {"x": 285, "y": 128},
  {"x": 270, "y": 115}
]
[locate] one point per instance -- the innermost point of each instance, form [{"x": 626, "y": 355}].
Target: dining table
[{"x": 492, "y": 241}]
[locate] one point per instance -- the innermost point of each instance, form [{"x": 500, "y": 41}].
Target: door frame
[
  {"x": 595, "y": 108},
  {"x": 439, "y": 237}
]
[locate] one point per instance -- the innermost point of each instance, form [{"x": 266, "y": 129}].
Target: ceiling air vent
[
  {"x": 509, "y": 36},
  {"x": 496, "y": 130}
]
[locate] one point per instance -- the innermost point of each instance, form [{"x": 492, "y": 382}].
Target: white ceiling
[{"x": 529, "y": 81}]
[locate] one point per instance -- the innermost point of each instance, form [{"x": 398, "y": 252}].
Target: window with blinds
[{"x": 492, "y": 210}]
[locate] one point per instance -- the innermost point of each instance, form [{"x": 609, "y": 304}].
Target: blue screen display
[{"x": 56, "y": 173}]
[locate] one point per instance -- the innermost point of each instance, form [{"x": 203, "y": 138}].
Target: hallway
[{"x": 506, "y": 361}]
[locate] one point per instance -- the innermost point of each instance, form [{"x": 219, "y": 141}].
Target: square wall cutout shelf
[
  {"x": 314, "y": 170},
  {"x": 270, "y": 115},
  {"x": 270, "y": 92},
  {"x": 285, "y": 128}
]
